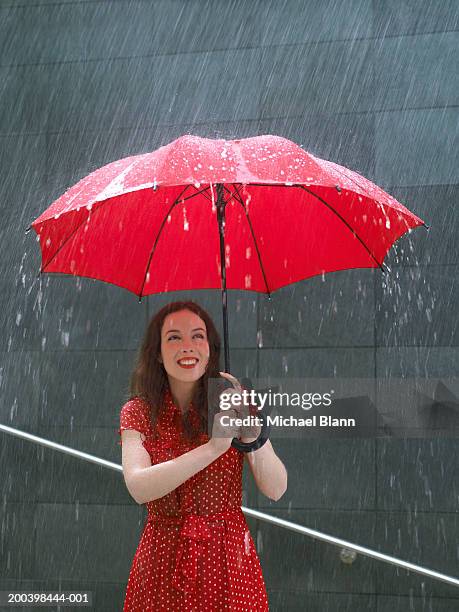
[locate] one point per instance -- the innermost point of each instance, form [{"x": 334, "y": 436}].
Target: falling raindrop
[
  {"x": 227, "y": 255},
  {"x": 285, "y": 364},
  {"x": 259, "y": 338},
  {"x": 186, "y": 225}
]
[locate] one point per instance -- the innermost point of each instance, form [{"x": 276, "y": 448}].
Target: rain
[{"x": 333, "y": 128}]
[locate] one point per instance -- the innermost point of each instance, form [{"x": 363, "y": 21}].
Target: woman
[{"x": 195, "y": 551}]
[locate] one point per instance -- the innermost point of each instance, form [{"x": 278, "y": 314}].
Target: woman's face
[{"x": 184, "y": 346}]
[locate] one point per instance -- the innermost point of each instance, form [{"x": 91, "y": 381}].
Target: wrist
[
  {"x": 249, "y": 439},
  {"x": 214, "y": 450}
]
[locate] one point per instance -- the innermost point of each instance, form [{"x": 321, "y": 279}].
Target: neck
[{"x": 182, "y": 392}]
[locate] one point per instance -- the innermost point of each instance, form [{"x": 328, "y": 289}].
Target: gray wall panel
[
  {"x": 414, "y": 147},
  {"x": 416, "y": 71},
  {"x": 392, "y": 17},
  {"x": 334, "y": 310}
]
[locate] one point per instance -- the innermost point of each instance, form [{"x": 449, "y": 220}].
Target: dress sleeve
[{"x": 133, "y": 416}]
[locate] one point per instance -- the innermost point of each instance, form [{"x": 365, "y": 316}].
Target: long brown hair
[{"x": 149, "y": 378}]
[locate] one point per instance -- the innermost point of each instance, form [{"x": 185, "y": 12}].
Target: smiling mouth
[{"x": 188, "y": 362}]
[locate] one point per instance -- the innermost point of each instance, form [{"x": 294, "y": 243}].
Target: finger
[
  {"x": 238, "y": 407},
  {"x": 234, "y": 381},
  {"x": 232, "y": 412}
]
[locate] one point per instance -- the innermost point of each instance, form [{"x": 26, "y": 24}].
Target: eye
[
  {"x": 173, "y": 336},
  {"x": 200, "y": 335}
]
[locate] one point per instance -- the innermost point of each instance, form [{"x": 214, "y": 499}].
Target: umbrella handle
[{"x": 247, "y": 447}]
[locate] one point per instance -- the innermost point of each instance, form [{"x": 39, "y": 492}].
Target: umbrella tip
[
  {"x": 140, "y": 299},
  {"x": 338, "y": 188},
  {"x": 28, "y": 229},
  {"x": 426, "y": 226},
  {"x": 385, "y": 268}
]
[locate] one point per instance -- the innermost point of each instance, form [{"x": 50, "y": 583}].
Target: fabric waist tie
[{"x": 194, "y": 528}]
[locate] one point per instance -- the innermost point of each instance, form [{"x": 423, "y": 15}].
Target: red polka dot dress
[{"x": 196, "y": 553}]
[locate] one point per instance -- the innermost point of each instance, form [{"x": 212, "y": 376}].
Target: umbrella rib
[
  {"x": 345, "y": 222},
  {"x": 203, "y": 191},
  {"x": 157, "y": 238},
  {"x": 253, "y": 236},
  {"x": 66, "y": 240},
  {"x": 350, "y": 178}
]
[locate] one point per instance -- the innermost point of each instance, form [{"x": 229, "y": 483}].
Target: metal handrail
[{"x": 318, "y": 535}]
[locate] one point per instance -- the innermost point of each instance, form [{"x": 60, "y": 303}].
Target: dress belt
[{"x": 194, "y": 528}]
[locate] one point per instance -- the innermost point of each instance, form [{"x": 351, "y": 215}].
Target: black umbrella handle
[
  {"x": 245, "y": 447},
  {"x": 248, "y": 447}
]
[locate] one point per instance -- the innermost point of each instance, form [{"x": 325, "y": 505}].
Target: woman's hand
[
  {"x": 249, "y": 433},
  {"x": 222, "y": 435}
]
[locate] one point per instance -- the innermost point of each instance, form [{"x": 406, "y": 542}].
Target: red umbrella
[{"x": 270, "y": 212}]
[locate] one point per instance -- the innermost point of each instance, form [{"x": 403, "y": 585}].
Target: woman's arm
[
  {"x": 146, "y": 482},
  {"x": 268, "y": 470}
]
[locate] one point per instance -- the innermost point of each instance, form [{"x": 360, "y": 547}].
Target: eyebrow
[{"x": 177, "y": 330}]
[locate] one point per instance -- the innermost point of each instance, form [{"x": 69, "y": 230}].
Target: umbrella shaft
[{"x": 221, "y": 229}]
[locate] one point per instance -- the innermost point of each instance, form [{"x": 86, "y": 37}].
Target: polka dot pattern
[{"x": 196, "y": 553}]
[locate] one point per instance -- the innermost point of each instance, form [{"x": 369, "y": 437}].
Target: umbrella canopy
[{"x": 149, "y": 223}]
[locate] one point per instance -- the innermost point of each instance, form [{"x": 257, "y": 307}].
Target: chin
[{"x": 190, "y": 376}]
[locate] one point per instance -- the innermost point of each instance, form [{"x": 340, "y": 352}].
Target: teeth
[{"x": 188, "y": 361}]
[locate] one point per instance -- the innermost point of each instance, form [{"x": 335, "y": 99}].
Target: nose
[{"x": 187, "y": 347}]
